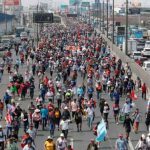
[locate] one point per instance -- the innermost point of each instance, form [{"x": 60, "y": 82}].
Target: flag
[
  {"x": 133, "y": 95},
  {"x": 101, "y": 131}
]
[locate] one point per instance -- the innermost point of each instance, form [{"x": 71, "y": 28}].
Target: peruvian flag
[{"x": 133, "y": 95}]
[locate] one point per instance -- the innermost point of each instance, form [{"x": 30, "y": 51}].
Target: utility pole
[
  {"x": 97, "y": 14},
  {"x": 126, "y": 41},
  {"x": 103, "y": 16},
  {"x": 89, "y": 15},
  {"x": 100, "y": 15},
  {"x": 107, "y": 18},
  {"x": 113, "y": 21},
  {"x": 37, "y": 26},
  {"x": 5, "y": 19}
]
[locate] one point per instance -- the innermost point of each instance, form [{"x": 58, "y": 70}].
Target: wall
[{"x": 3, "y": 27}]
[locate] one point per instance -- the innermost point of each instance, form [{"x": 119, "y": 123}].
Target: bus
[{"x": 18, "y": 30}]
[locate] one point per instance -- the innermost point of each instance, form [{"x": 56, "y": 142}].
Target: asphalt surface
[{"x": 81, "y": 139}]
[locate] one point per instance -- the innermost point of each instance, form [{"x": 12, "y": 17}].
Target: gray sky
[{"x": 145, "y": 3}]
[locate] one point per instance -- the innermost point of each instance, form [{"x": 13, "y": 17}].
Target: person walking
[
  {"x": 141, "y": 145},
  {"x": 144, "y": 91},
  {"x": 36, "y": 118},
  {"x": 2, "y": 138},
  {"x": 78, "y": 119},
  {"x": 116, "y": 113},
  {"x": 49, "y": 144},
  {"x": 44, "y": 115},
  {"x": 61, "y": 142},
  {"x": 127, "y": 125},
  {"x": 92, "y": 145},
  {"x": 147, "y": 120},
  {"x": 90, "y": 116},
  {"x": 136, "y": 120},
  {"x": 64, "y": 126},
  {"x": 121, "y": 143}
]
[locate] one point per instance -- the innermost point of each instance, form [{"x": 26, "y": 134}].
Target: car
[
  {"x": 23, "y": 35},
  {"x": 2, "y": 47},
  {"x": 146, "y": 52},
  {"x": 146, "y": 65},
  {"x": 136, "y": 55}
]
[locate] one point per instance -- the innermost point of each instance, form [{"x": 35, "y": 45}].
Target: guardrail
[{"x": 136, "y": 69}]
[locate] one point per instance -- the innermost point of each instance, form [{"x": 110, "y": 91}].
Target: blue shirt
[
  {"x": 121, "y": 144},
  {"x": 44, "y": 112}
]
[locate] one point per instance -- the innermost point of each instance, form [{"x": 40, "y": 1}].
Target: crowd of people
[{"x": 71, "y": 69}]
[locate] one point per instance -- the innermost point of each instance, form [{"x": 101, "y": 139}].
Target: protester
[
  {"x": 121, "y": 143},
  {"x": 49, "y": 144},
  {"x": 92, "y": 145}
]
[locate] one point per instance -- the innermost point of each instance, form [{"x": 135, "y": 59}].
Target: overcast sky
[{"x": 59, "y": 2}]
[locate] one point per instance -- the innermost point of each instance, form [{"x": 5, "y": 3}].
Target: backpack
[{"x": 57, "y": 114}]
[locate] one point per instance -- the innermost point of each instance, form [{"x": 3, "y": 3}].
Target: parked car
[
  {"x": 146, "y": 65},
  {"x": 146, "y": 52}
]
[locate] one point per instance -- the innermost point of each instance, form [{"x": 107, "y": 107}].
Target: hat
[
  {"x": 31, "y": 125},
  {"x": 66, "y": 107},
  {"x": 49, "y": 137},
  {"x": 143, "y": 136},
  {"x": 37, "y": 110},
  {"x": 61, "y": 135}
]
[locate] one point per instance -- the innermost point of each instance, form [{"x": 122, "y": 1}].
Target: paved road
[{"x": 81, "y": 139}]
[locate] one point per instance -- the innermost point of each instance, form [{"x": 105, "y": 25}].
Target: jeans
[
  {"x": 90, "y": 121},
  {"x": 98, "y": 95},
  {"x": 8, "y": 131},
  {"x": 44, "y": 122}
]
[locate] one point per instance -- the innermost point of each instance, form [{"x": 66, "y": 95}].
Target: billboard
[
  {"x": 11, "y": 2},
  {"x": 72, "y": 15},
  {"x": 85, "y": 4},
  {"x": 134, "y": 11},
  {"x": 43, "y": 18}
]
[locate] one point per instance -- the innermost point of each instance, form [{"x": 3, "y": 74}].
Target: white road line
[{"x": 130, "y": 145}]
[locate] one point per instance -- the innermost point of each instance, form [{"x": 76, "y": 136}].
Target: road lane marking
[{"x": 130, "y": 145}]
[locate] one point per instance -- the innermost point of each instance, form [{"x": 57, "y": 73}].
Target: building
[{"x": 6, "y": 24}]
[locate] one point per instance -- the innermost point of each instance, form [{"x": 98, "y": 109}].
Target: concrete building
[{"x": 6, "y": 24}]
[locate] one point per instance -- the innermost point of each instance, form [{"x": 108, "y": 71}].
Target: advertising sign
[
  {"x": 11, "y": 2},
  {"x": 85, "y": 4}
]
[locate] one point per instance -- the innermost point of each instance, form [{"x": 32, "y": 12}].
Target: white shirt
[
  {"x": 61, "y": 143},
  {"x": 32, "y": 133},
  {"x": 126, "y": 108},
  {"x": 64, "y": 124},
  {"x": 90, "y": 111}
]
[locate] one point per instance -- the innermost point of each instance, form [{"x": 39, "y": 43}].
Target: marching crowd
[{"x": 74, "y": 68}]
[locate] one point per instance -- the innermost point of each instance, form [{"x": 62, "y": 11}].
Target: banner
[
  {"x": 11, "y": 2},
  {"x": 101, "y": 131}
]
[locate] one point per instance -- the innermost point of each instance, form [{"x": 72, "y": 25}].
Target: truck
[{"x": 132, "y": 46}]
